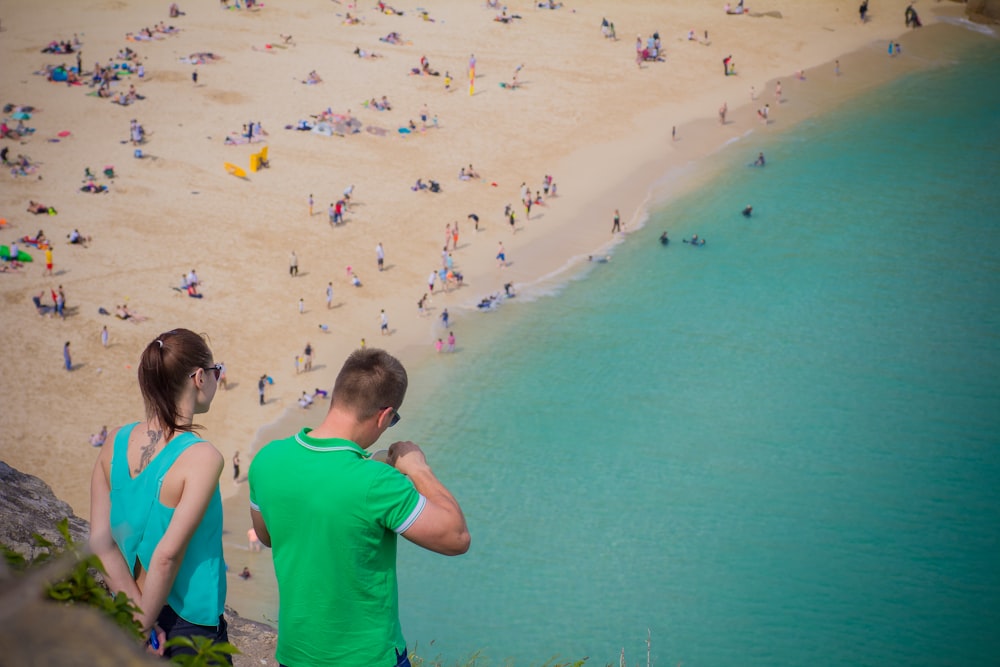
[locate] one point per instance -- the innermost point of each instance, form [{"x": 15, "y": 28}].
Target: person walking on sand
[
  {"x": 261, "y": 385},
  {"x": 777, "y": 93},
  {"x": 67, "y": 360},
  {"x": 60, "y": 300},
  {"x": 236, "y": 466},
  {"x": 302, "y": 306},
  {"x": 380, "y": 255},
  {"x": 104, "y": 336},
  {"x": 723, "y": 110},
  {"x": 616, "y": 226},
  {"x": 329, "y": 295},
  {"x": 310, "y": 205},
  {"x": 451, "y": 341},
  {"x": 384, "y": 322},
  {"x": 48, "y": 261},
  {"x": 360, "y": 502},
  {"x": 501, "y": 256},
  {"x": 155, "y": 506},
  {"x": 293, "y": 265},
  {"x": 307, "y": 355}
]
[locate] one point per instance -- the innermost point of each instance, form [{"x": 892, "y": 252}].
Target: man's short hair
[{"x": 370, "y": 380}]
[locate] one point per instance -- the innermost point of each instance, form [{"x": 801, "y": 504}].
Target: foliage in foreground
[{"x": 80, "y": 586}]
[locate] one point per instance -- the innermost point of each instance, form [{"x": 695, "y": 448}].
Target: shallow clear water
[{"x": 780, "y": 448}]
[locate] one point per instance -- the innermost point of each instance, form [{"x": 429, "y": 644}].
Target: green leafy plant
[
  {"x": 80, "y": 586},
  {"x": 207, "y": 653}
]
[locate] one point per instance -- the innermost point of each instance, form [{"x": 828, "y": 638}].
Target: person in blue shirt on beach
[{"x": 155, "y": 506}]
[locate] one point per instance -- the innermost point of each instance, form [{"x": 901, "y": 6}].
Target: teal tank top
[{"x": 139, "y": 520}]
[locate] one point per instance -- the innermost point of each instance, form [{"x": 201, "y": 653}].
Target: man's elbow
[{"x": 459, "y": 544}]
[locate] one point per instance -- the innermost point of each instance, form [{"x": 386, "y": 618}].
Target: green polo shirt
[{"x": 333, "y": 515}]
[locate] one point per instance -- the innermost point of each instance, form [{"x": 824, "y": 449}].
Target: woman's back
[
  {"x": 155, "y": 506},
  {"x": 147, "y": 481}
]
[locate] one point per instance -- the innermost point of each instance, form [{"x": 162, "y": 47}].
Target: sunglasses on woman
[{"x": 217, "y": 368}]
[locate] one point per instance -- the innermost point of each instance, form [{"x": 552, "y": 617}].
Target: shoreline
[
  {"x": 201, "y": 217},
  {"x": 678, "y": 181}
]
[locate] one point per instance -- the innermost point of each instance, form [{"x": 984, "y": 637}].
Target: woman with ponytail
[{"x": 155, "y": 507}]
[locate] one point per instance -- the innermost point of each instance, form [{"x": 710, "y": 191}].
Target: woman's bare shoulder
[{"x": 202, "y": 454}]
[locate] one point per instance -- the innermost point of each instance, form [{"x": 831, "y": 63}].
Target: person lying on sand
[
  {"x": 39, "y": 208},
  {"x": 387, "y": 9},
  {"x": 430, "y": 186},
  {"x": 58, "y": 47},
  {"x": 94, "y": 188},
  {"x": 122, "y": 312},
  {"x": 361, "y": 53},
  {"x": 392, "y": 38},
  {"x": 313, "y": 78},
  {"x": 424, "y": 69},
  {"x": 39, "y": 240}
]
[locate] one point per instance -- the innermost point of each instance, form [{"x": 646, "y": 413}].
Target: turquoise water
[{"x": 778, "y": 449}]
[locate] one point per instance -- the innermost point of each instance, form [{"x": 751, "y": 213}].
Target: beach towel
[{"x": 323, "y": 128}]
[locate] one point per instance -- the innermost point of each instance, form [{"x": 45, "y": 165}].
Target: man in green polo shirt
[{"x": 331, "y": 512}]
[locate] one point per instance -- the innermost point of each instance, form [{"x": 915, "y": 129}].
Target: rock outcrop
[
  {"x": 37, "y": 631},
  {"x": 983, "y": 11}
]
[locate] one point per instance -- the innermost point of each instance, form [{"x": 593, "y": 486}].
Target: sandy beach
[{"x": 583, "y": 112}]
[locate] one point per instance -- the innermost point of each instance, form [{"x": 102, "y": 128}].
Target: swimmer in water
[
  {"x": 748, "y": 211},
  {"x": 663, "y": 238},
  {"x": 759, "y": 162}
]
